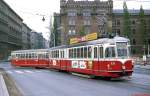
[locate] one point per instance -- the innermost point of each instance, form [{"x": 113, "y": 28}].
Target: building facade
[
  {"x": 26, "y": 31},
  {"x": 38, "y": 41},
  {"x": 87, "y": 16},
  {"x": 10, "y": 30},
  {"x": 136, "y": 40}
]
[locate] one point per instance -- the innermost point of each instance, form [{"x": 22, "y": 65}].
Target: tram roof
[
  {"x": 31, "y": 50},
  {"x": 102, "y": 41}
]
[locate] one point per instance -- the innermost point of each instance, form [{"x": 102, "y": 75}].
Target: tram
[
  {"x": 30, "y": 58},
  {"x": 106, "y": 57}
]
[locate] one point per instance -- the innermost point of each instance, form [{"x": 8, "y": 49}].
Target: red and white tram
[
  {"x": 30, "y": 58},
  {"x": 103, "y": 57}
]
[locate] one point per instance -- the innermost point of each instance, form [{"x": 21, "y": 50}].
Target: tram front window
[
  {"x": 110, "y": 52},
  {"x": 122, "y": 49}
]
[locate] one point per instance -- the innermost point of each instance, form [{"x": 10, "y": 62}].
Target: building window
[
  {"x": 148, "y": 41},
  {"x": 134, "y": 31},
  {"x": 87, "y": 29},
  {"x": 72, "y": 13},
  {"x": 71, "y": 21},
  {"x": 87, "y": 22},
  {"x": 86, "y": 13},
  {"x": 118, "y": 22},
  {"x": 133, "y": 22},
  {"x": 118, "y": 31},
  {"x": 72, "y": 30},
  {"x": 134, "y": 42}
]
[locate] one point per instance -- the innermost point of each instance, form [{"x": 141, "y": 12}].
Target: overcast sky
[{"x": 32, "y": 10}]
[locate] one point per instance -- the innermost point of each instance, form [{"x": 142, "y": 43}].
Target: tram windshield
[
  {"x": 110, "y": 52},
  {"x": 122, "y": 49}
]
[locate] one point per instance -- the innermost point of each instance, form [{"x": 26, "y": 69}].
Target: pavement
[
  {"x": 3, "y": 88},
  {"x": 142, "y": 66}
]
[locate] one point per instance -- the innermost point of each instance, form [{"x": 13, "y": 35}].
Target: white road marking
[
  {"x": 20, "y": 72},
  {"x": 28, "y": 71}
]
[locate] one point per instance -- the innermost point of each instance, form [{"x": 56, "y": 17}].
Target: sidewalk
[
  {"x": 142, "y": 66},
  {"x": 3, "y": 88}
]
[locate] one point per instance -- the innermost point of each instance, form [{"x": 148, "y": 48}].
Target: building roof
[
  {"x": 131, "y": 11},
  {"x": 12, "y": 10}
]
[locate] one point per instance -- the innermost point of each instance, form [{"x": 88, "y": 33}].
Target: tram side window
[
  {"x": 78, "y": 52},
  {"x": 82, "y": 52},
  {"x": 19, "y": 56},
  {"x": 74, "y": 53},
  {"x": 110, "y": 52},
  {"x": 89, "y": 52},
  {"x": 70, "y": 53},
  {"x": 46, "y": 55},
  {"x": 52, "y": 54},
  {"x": 61, "y": 54},
  {"x": 33, "y": 56},
  {"x": 100, "y": 52},
  {"x": 95, "y": 52},
  {"x": 57, "y": 54},
  {"x": 26, "y": 56},
  {"x": 85, "y": 52},
  {"x": 30, "y": 56}
]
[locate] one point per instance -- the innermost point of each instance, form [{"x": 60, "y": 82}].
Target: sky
[{"x": 32, "y": 11}]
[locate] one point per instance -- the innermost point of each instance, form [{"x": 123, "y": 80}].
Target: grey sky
[{"x": 31, "y": 10}]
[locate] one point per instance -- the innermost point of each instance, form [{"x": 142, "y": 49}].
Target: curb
[{"x": 3, "y": 87}]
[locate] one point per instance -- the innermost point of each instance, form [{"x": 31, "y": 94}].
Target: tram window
[
  {"x": 40, "y": 56},
  {"x": 57, "y": 54},
  {"x": 47, "y": 55},
  {"x": 70, "y": 53},
  {"x": 54, "y": 54},
  {"x": 61, "y": 54},
  {"x": 30, "y": 55},
  {"x": 21, "y": 56},
  {"x": 75, "y": 53},
  {"x": 33, "y": 55},
  {"x": 85, "y": 52},
  {"x": 95, "y": 52},
  {"x": 100, "y": 52},
  {"x": 26, "y": 55},
  {"x": 89, "y": 52},
  {"x": 78, "y": 52},
  {"x": 110, "y": 52},
  {"x": 82, "y": 52}
]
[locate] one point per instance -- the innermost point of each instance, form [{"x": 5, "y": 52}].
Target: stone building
[
  {"x": 10, "y": 30},
  {"x": 90, "y": 16},
  {"x": 37, "y": 40},
  {"x": 136, "y": 40},
  {"x": 26, "y": 31}
]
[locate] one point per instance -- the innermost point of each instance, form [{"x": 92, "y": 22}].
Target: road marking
[
  {"x": 28, "y": 71},
  {"x": 20, "y": 72}
]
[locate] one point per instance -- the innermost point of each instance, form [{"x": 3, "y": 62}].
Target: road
[{"x": 44, "y": 82}]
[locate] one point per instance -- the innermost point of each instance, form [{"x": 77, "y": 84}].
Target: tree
[
  {"x": 142, "y": 26},
  {"x": 82, "y": 33},
  {"x": 55, "y": 32},
  {"x": 126, "y": 22}
]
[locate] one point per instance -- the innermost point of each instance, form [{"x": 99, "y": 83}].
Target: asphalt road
[{"x": 43, "y": 82}]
